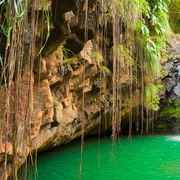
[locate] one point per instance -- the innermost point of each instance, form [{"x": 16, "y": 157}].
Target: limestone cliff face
[
  {"x": 57, "y": 113},
  {"x": 68, "y": 90},
  {"x": 57, "y": 108}
]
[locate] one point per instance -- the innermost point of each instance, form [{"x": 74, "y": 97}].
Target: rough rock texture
[
  {"x": 172, "y": 70},
  {"x": 54, "y": 113},
  {"x": 57, "y": 109},
  {"x": 57, "y": 106},
  {"x": 169, "y": 116}
]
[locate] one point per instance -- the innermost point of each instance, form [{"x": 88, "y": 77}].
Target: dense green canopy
[{"x": 174, "y": 13}]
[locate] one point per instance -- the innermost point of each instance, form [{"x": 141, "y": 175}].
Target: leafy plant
[
  {"x": 172, "y": 110},
  {"x": 105, "y": 70},
  {"x": 124, "y": 54},
  {"x": 67, "y": 53},
  {"x": 72, "y": 61},
  {"x": 152, "y": 95},
  {"x": 151, "y": 32},
  {"x": 99, "y": 61},
  {"x": 68, "y": 57}
]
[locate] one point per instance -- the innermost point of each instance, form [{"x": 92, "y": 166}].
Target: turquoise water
[{"x": 142, "y": 158}]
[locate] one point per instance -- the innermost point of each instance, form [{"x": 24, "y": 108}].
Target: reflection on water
[
  {"x": 171, "y": 167},
  {"x": 174, "y": 138}
]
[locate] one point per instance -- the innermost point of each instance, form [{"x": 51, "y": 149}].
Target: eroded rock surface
[
  {"x": 68, "y": 89},
  {"x": 172, "y": 70},
  {"x": 169, "y": 116}
]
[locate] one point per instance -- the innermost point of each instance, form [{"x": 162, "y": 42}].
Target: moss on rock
[{"x": 172, "y": 110}]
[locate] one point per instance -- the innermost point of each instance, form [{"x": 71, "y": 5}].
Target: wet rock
[
  {"x": 177, "y": 90},
  {"x": 172, "y": 69},
  {"x": 169, "y": 83}
]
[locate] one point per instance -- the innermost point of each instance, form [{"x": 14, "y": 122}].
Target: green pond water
[{"x": 142, "y": 158}]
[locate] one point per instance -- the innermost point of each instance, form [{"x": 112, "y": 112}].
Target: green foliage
[
  {"x": 158, "y": 16},
  {"x": 68, "y": 57},
  {"x": 124, "y": 54},
  {"x": 151, "y": 34},
  {"x": 67, "y": 53},
  {"x": 71, "y": 61},
  {"x": 172, "y": 110},
  {"x": 152, "y": 95},
  {"x": 99, "y": 61},
  {"x": 14, "y": 16},
  {"x": 105, "y": 70},
  {"x": 109, "y": 14},
  {"x": 142, "y": 30},
  {"x": 142, "y": 6},
  {"x": 14, "y": 13},
  {"x": 97, "y": 56},
  {"x": 149, "y": 21},
  {"x": 174, "y": 13}
]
